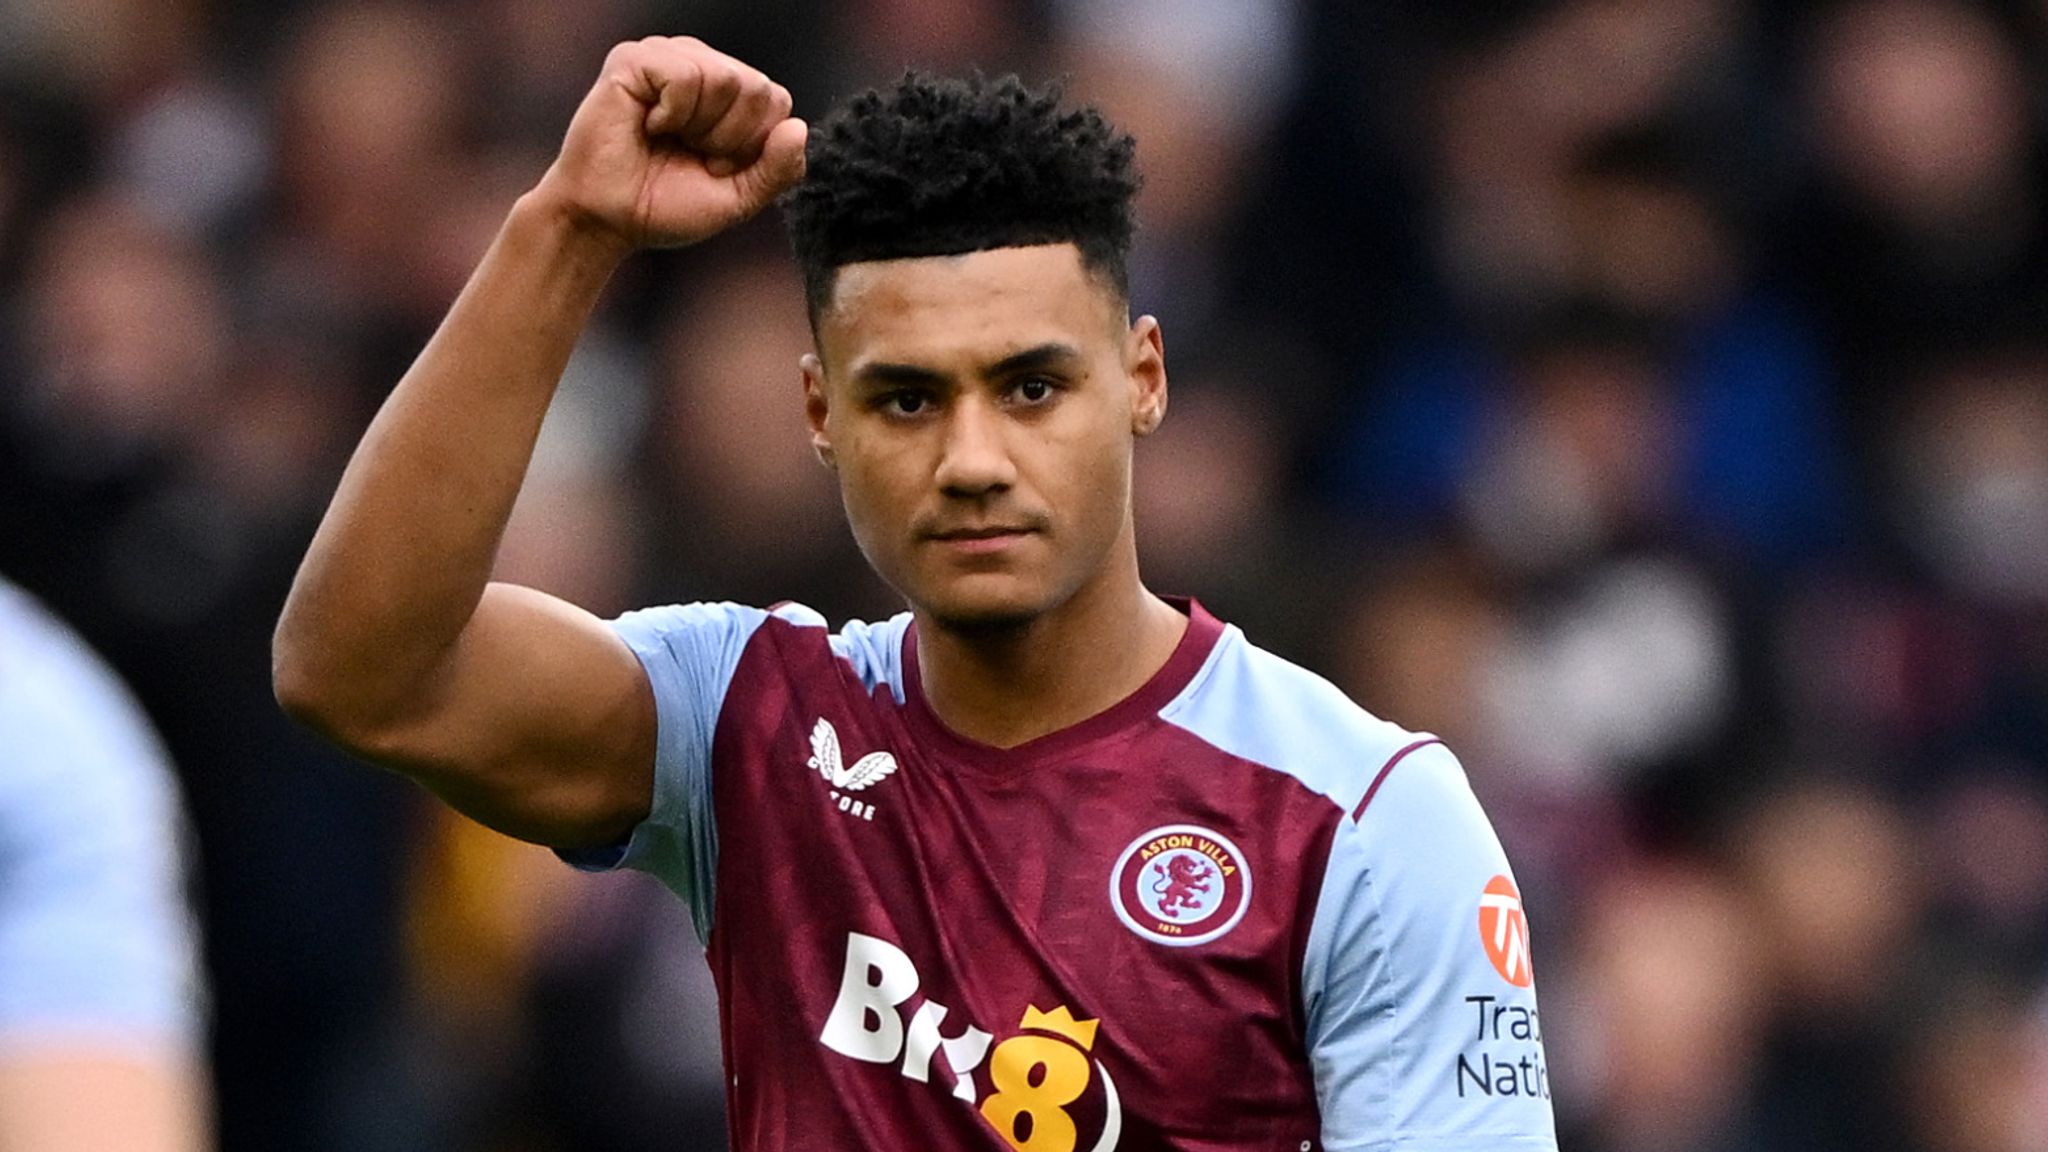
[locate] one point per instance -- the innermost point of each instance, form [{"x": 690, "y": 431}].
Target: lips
[
  {"x": 981, "y": 541},
  {"x": 992, "y": 532}
]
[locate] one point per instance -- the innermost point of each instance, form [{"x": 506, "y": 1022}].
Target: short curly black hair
[{"x": 938, "y": 167}]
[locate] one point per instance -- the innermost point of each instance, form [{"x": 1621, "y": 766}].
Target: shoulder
[
  {"x": 1266, "y": 709},
  {"x": 789, "y": 634},
  {"x": 875, "y": 651}
]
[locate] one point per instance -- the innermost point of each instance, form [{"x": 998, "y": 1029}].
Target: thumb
[{"x": 780, "y": 166}]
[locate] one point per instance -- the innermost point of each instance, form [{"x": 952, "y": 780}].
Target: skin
[
  {"x": 88, "y": 1096},
  {"x": 528, "y": 713},
  {"x": 980, "y": 411}
]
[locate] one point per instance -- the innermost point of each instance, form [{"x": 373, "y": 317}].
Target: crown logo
[{"x": 1061, "y": 1022}]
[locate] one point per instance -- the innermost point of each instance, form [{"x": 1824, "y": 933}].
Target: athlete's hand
[{"x": 675, "y": 143}]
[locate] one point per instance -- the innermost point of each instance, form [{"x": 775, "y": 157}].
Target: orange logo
[{"x": 1505, "y": 931}]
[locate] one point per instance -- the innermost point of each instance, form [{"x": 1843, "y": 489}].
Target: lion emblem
[{"x": 1182, "y": 879}]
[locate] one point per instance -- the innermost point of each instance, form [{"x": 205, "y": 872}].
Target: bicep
[
  {"x": 539, "y": 722},
  {"x": 1420, "y": 1004}
]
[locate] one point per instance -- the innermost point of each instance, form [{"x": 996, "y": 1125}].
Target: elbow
[
  {"x": 296, "y": 688},
  {"x": 315, "y": 693},
  {"x": 301, "y": 690},
  {"x": 356, "y": 707},
  {"x": 351, "y": 691},
  {"x": 331, "y": 710},
  {"x": 293, "y": 678}
]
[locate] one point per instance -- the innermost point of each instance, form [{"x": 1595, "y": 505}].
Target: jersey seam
[
  {"x": 1384, "y": 982},
  {"x": 1184, "y": 700},
  {"x": 1194, "y": 685},
  {"x": 884, "y": 661},
  {"x": 1387, "y": 770},
  {"x": 1399, "y": 1142}
]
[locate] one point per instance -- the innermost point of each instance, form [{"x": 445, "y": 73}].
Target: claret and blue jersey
[{"x": 1234, "y": 911}]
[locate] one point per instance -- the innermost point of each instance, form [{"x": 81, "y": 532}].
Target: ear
[
  {"x": 816, "y": 407},
  {"x": 1145, "y": 364}
]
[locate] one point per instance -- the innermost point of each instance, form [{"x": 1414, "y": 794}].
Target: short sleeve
[
  {"x": 1418, "y": 992},
  {"x": 690, "y": 653},
  {"x": 97, "y": 940}
]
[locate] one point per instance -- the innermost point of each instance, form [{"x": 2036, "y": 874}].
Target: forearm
[
  {"x": 402, "y": 557},
  {"x": 523, "y": 710}
]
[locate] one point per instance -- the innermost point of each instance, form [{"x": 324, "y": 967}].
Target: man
[
  {"x": 1047, "y": 860},
  {"x": 99, "y": 993}
]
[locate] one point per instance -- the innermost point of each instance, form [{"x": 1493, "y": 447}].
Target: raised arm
[{"x": 521, "y": 710}]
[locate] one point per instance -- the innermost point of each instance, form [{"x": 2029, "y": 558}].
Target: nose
[{"x": 974, "y": 457}]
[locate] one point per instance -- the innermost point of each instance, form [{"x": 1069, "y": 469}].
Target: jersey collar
[{"x": 1140, "y": 707}]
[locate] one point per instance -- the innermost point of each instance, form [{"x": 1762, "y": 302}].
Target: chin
[{"x": 983, "y": 606}]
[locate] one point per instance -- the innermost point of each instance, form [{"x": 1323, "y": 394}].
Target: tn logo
[{"x": 1505, "y": 931}]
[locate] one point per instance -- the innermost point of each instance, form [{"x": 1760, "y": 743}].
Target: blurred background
[{"x": 1648, "y": 396}]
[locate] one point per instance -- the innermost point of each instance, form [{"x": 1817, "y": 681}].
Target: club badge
[{"x": 1180, "y": 885}]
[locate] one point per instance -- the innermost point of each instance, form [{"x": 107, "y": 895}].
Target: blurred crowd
[{"x": 1648, "y": 396}]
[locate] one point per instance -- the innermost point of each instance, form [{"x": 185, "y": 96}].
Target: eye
[
  {"x": 1035, "y": 389},
  {"x": 905, "y": 403}
]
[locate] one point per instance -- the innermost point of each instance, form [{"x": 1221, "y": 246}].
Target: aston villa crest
[{"x": 1180, "y": 884}]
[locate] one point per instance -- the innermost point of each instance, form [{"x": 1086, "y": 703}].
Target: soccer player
[
  {"x": 1047, "y": 860},
  {"x": 100, "y": 1030}
]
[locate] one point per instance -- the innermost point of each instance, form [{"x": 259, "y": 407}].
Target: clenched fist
[{"x": 675, "y": 143}]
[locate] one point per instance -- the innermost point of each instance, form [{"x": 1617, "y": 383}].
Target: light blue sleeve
[
  {"x": 690, "y": 652},
  {"x": 96, "y": 938},
  {"x": 1423, "y": 1031}
]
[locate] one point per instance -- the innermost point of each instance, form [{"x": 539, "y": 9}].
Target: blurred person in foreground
[
  {"x": 99, "y": 1002},
  {"x": 1045, "y": 861}
]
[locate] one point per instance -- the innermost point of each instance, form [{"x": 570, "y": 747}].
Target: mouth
[
  {"x": 980, "y": 539},
  {"x": 987, "y": 532}
]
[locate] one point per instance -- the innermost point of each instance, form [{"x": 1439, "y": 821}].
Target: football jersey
[{"x": 1233, "y": 911}]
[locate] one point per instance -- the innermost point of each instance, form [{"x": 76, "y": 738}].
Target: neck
[{"x": 1014, "y": 685}]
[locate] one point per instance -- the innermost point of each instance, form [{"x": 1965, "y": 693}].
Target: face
[{"x": 980, "y": 411}]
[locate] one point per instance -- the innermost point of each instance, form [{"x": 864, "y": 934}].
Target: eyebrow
[{"x": 1042, "y": 356}]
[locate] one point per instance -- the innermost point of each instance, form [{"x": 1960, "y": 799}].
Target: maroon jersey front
[
  {"x": 964, "y": 898},
  {"x": 1092, "y": 941}
]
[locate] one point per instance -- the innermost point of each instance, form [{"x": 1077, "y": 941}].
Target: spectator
[{"x": 101, "y": 1012}]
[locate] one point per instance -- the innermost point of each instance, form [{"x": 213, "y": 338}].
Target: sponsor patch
[{"x": 1505, "y": 931}]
